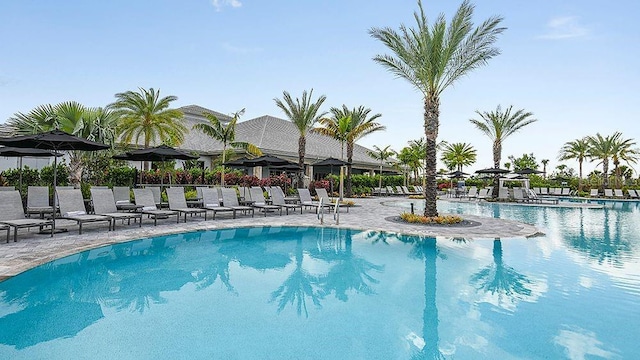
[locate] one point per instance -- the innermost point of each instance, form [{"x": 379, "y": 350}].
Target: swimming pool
[{"x": 325, "y": 293}]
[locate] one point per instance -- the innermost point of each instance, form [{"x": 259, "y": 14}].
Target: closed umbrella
[{"x": 55, "y": 140}]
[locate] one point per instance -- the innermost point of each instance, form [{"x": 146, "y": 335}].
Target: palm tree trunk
[
  {"x": 349, "y": 160},
  {"x": 302, "y": 143},
  {"x": 431, "y": 123},
  {"x": 605, "y": 171},
  {"x": 380, "y": 178},
  {"x": 224, "y": 153},
  {"x": 497, "y": 156},
  {"x": 580, "y": 175}
]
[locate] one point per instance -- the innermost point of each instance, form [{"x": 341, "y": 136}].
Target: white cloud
[
  {"x": 219, "y": 4},
  {"x": 564, "y": 27}
]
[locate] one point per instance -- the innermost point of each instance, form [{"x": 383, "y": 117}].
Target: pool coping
[{"x": 34, "y": 250}]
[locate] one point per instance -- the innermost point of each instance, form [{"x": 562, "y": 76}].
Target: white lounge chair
[
  {"x": 632, "y": 194},
  {"x": 259, "y": 202},
  {"x": 618, "y": 193},
  {"x": 307, "y": 201},
  {"x": 608, "y": 193},
  {"x": 277, "y": 197},
  {"x": 230, "y": 200},
  {"x": 594, "y": 193},
  {"x": 503, "y": 194}
]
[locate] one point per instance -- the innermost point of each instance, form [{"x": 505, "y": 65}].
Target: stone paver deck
[{"x": 369, "y": 214}]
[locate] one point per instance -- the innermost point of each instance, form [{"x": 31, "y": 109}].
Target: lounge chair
[
  {"x": 632, "y": 194},
  {"x": 594, "y": 193},
  {"x": 178, "y": 202},
  {"x": 245, "y": 194},
  {"x": 518, "y": 195},
  {"x": 104, "y": 203},
  {"x": 400, "y": 190},
  {"x": 544, "y": 191},
  {"x": 144, "y": 198},
  {"x": 565, "y": 192},
  {"x": 38, "y": 201},
  {"x": 483, "y": 194},
  {"x": 378, "y": 191},
  {"x": 122, "y": 196},
  {"x": 72, "y": 208},
  {"x": 472, "y": 194},
  {"x": 12, "y": 215},
  {"x": 608, "y": 193},
  {"x": 211, "y": 202},
  {"x": 259, "y": 202},
  {"x": 157, "y": 196},
  {"x": 322, "y": 194},
  {"x": 390, "y": 191},
  {"x": 307, "y": 201},
  {"x": 618, "y": 193},
  {"x": 230, "y": 200},
  {"x": 536, "y": 190},
  {"x": 7, "y": 188},
  {"x": 503, "y": 194},
  {"x": 277, "y": 197}
]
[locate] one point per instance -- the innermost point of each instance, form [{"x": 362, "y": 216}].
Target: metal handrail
[
  {"x": 336, "y": 212},
  {"x": 320, "y": 212}
]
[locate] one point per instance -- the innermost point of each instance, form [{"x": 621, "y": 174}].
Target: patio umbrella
[
  {"x": 160, "y": 153},
  {"x": 9, "y": 151},
  {"x": 457, "y": 174},
  {"x": 266, "y": 160},
  {"x": 493, "y": 171},
  {"x": 237, "y": 162},
  {"x": 528, "y": 171},
  {"x": 55, "y": 140}
]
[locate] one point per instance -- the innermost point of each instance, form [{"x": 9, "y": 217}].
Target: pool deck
[{"x": 33, "y": 249}]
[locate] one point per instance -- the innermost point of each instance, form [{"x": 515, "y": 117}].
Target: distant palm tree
[
  {"x": 146, "y": 115},
  {"x": 381, "y": 155},
  {"x": 578, "y": 150},
  {"x": 623, "y": 150},
  {"x": 303, "y": 114},
  {"x": 226, "y": 134},
  {"x": 409, "y": 159},
  {"x": 602, "y": 148},
  {"x": 432, "y": 58},
  {"x": 336, "y": 127},
  {"x": 544, "y": 166},
  {"x": 498, "y": 126},
  {"x": 457, "y": 155}
]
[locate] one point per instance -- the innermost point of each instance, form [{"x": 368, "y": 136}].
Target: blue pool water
[{"x": 322, "y": 293}]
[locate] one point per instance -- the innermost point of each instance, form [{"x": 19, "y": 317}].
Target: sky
[{"x": 572, "y": 63}]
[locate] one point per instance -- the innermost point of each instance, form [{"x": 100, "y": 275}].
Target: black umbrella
[
  {"x": 160, "y": 153},
  {"x": 493, "y": 171},
  {"x": 55, "y": 140},
  {"x": 9, "y": 151},
  {"x": 457, "y": 174},
  {"x": 236, "y": 162},
  {"x": 266, "y": 160},
  {"x": 528, "y": 171}
]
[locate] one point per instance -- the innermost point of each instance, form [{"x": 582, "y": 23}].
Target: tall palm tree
[
  {"x": 226, "y": 134},
  {"x": 348, "y": 126},
  {"x": 602, "y": 148},
  {"x": 623, "y": 150},
  {"x": 411, "y": 160},
  {"x": 303, "y": 114},
  {"x": 498, "y": 126},
  {"x": 544, "y": 167},
  {"x": 381, "y": 155},
  {"x": 432, "y": 59},
  {"x": 146, "y": 115},
  {"x": 578, "y": 150},
  {"x": 457, "y": 155}
]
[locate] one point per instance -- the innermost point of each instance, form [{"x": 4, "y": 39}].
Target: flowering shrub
[
  {"x": 420, "y": 219},
  {"x": 318, "y": 184}
]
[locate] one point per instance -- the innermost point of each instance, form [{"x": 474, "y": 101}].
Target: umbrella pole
[
  {"x": 55, "y": 195},
  {"x": 20, "y": 162}
]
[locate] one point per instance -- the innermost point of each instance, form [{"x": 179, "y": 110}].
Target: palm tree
[
  {"x": 544, "y": 167},
  {"x": 146, "y": 115},
  {"x": 382, "y": 155},
  {"x": 226, "y": 134},
  {"x": 623, "y": 151},
  {"x": 409, "y": 159},
  {"x": 432, "y": 59},
  {"x": 95, "y": 124},
  {"x": 457, "y": 155},
  {"x": 578, "y": 150},
  {"x": 349, "y": 125},
  {"x": 602, "y": 148},
  {"x": 303, "y": 114},
  {"x": 498, "y": 126}
]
